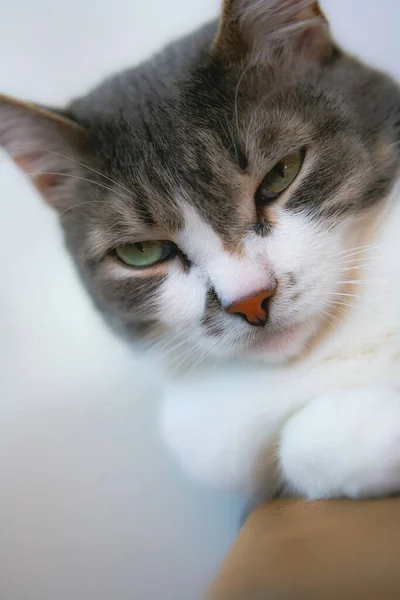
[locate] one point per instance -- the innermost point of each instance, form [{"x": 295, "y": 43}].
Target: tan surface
[{"x": 326, "y": 550}]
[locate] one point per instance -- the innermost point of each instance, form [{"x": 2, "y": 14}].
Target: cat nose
[{"x": 253, "y": 309}]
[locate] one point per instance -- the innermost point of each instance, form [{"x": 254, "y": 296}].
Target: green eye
[
  {"x": 279, "y": 178},
  {"x": 144, "y": 254}
]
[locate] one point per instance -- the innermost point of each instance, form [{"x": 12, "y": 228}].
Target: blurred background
[{"x": 91, "y": 506}]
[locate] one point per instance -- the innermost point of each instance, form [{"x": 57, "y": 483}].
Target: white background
[{"x": 91, "y": 507}]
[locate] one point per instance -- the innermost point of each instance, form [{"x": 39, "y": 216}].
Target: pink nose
[{"x": 253, "y": 309}]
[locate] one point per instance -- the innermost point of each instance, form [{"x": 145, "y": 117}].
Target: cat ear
[
  {"x": 275, "y": 32},
  {"x": 44, "y": 144}
]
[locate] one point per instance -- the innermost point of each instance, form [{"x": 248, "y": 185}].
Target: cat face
[{"x": 214, "y": 194}]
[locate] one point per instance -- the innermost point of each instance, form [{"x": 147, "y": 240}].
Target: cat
[{"x": 235, "y": 199}]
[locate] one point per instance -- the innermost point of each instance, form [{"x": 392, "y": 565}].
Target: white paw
[
  {"x": 344, "y": 444},
  {"x": 219, "y": 437}
]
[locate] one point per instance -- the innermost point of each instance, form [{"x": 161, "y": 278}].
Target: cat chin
[
  {"x": 276, "y": 347},
  {"x": 284, "y": 345}
]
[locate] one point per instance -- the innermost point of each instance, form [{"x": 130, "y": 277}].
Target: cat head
[{"x": 214, "y": 193}]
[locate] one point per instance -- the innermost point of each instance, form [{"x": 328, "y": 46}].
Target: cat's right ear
[
  {"x": 279, "y": 33},
  {"x": 45, "y": 145}
]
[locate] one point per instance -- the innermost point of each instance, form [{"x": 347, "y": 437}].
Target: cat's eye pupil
[
  {"x": 279, "y": 178},
  {"x": 280, "y": 169}
]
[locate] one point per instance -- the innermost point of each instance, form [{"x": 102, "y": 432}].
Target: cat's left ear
[
  {"x": 45, "y": 145},
  {"x": 278, "y": 33}
]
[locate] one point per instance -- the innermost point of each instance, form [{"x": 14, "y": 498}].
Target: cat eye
[
  {"x": 144, "y": 254},
  {"x": 278, "y": 179}
]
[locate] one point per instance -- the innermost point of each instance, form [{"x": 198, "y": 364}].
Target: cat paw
[
  {"x": 198, "y": 444},
  {"x": 344, "y": 444},
  {"x": 218, "y": 438}
]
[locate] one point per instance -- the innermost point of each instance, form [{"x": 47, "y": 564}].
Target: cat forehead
[
  {"x": 174, "y": 150},
  {"x": 186, "y": 131},
  {"x": 214, "y": 170},
  {"x": 172, "y": 176}
]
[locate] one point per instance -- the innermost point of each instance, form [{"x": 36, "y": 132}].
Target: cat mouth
[{"x": 285, "y": 342}]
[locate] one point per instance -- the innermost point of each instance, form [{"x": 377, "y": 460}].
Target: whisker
[
  {"x": 327, "y": 316},
  {"x": 355, "y": 250},
  {"x": 358, "y": 256},
  {"x": 170, "y": 349},
  {"x": 354, "y": 261},
  {"x": 198, "y": 362},
  {"x": 249, "y": 65},
  {"x": 359, "y": 281},
  {"x": 163, "y": 343},
  {"x": 167, "y": 344},
  {"x": 362, "y": 266},
  {"x": 106, "y": 187},
  {"x": 217, "y": 362},
  {"x": 185, "y": 359},
  {"x": 82, "y": 204},
  {"x": 78, "y": 163},
  {"x": 178, "y": 340},
  {"x": 232, "y": 138},
  {"x": 350, "y": 295},
  {"x": 348, "y": 305},
  {"x": 342, "y": 312}
]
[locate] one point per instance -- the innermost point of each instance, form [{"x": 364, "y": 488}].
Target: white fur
[
  {"x": 232, "y": 276},
  {"x": 295, "y": 247},
  {"x": 327, "y": 424},
  {"x": 344, "y": 443}
]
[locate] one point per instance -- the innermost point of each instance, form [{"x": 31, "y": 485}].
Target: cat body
[{"x": 234, "y": 203}]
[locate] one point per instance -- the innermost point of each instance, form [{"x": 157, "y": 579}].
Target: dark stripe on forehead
[
  {"x": 158, "y": 198},
  {"x": 211, "y": 181},
  {"x": 140, "y": 205},
  {"x": 238, "y": 155}
]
